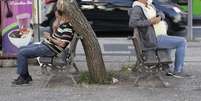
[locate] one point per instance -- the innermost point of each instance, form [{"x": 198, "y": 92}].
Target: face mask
[{"x": 149, "y": 1}]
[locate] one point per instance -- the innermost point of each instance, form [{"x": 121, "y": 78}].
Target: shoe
[
  {"x": 29, "y": 78},
  {"x": 167, "y": 70},
  {"x": 181, "y": 75},
  {"x": 20, "y": 81},
  {"x": 169, "y": 73}
]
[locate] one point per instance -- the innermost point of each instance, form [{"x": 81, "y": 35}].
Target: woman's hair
[
  {"x": 60, "y": 13},
  {"x": 61, "y": 8}
]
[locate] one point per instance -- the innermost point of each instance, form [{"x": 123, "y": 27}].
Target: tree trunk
[{"x": 90, "y": 43}]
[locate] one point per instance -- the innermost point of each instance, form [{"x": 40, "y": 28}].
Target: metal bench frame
[
  {"x": 61, "y": 63},
  {"x": 145, "y": 68}
]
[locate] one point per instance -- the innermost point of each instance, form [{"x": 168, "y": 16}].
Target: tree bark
[{"x": 90, "y": 43}]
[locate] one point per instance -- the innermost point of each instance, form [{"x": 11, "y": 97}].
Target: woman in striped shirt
[{"x": 53, "y": 44}]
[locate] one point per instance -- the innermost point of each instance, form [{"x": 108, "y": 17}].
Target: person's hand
[
  {"x": 46, "y": 35},
  {"x": 155, "y": 20}
]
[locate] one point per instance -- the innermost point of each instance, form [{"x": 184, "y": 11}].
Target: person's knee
[
  {"x": 21, "y": 52},
  {"x": 183, "y": 42}
]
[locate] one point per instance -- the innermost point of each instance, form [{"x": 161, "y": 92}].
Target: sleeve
[
  {"x": 135, "y": 19},
  {"x": 64, "y": 33},
  {"x": 67, "y": 33},
  {"x": 160, "y": 13}
]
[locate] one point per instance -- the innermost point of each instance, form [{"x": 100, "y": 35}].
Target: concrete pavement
[
  {"x": 188, "y": 89},
  {"x": 120, "y": 51}
]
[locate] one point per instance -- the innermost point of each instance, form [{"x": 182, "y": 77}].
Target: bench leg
[
  {"x": 151, "y": 78},
  {"x": 165, "y": 83},
  {"x": 76, "y": 69},
  {"x": 67, "y": 71},
  {"x": 44, "y": 69},
  {"x": 47, "y": 80},
  {"x": 73, "y": 79},
  {"x": 59, "y": 77},
  {"x": 136, "y": 67}
]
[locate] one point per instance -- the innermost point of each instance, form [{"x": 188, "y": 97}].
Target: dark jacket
[{"x": 146, "y": 30}]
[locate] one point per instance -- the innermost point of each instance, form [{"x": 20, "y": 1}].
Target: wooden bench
[
  {"x": 150, "y": 62},
  {"x": 61, "y": 63}
]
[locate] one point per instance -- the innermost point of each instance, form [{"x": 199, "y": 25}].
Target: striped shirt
[{"x": 65, "y": 33}]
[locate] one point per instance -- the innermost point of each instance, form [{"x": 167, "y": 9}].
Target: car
[{"x": 110, "y": 17}]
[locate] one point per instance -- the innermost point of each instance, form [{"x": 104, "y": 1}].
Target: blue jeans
[
  {"x": 30, "y": 51},
  {"x": 174, "y": 42}
]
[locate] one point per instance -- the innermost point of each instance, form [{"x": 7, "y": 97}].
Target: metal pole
[
  {"x": 190, "y": 21},
  {"x": 38, "y": 23}
]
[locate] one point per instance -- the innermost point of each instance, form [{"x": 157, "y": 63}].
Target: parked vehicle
[{"x": 110, "y": 16}]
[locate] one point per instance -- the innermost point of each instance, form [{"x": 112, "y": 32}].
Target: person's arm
[
  {"x": 135, "y": 18},
  {"x": 56, "y": 41},
  {"x": 161, "y": 14}
]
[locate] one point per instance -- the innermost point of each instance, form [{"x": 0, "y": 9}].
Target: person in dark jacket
[{"x": 151, "y": 26}]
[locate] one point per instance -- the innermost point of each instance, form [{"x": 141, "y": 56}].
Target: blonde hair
[{"x": 62, "y": 6}]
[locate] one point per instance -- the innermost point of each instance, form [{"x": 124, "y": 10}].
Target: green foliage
[
  {"x": 85, "y": 78},
  {"x": 124, "y": 72}
]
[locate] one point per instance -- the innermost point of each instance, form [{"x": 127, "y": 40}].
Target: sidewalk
[
  {"x": 115, "y": 56},
  {"x": 180, "y": 89}
]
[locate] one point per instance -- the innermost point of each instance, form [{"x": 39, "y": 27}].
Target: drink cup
[{"x": 23, "y": 21}]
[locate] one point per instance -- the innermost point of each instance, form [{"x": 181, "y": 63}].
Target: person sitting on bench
[
  {"x": 153, "y": 29},
  {"x": 51, "y": 45}
]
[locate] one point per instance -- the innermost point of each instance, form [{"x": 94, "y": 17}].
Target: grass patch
[
  {"x": 85, "y": 78},
  {"x": 124, "y": 73}
]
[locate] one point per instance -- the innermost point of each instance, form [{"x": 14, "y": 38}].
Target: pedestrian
[
  {"x": 52, "y": 44},
  {"x": 151, "y": 24}
]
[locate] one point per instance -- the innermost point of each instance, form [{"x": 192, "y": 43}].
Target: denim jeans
[
  {"x": 30, "y": 51},
  {"x": 174, "y": 42}
]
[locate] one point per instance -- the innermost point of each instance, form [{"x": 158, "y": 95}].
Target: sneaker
[
  {"x": 20, "y": 81},
  {"x": 29, "y": 78},
  {"x": 181, "y": 75},
  {"x": 169, "y": 73}
]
